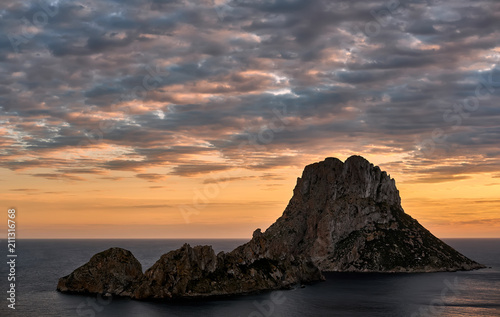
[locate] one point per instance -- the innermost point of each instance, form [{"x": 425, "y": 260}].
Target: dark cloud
[
  {"x": 197, "y": 169},
  {"x": 56, "y": 176},
  {"x": 164, "y": 83},
  {"x": 112, "y": 178},
  {"x": 227, "y": 179},
  {"x": 432, "y": 179},
  {"x": 124, "y": 165},
  {"x": 271, "y": 176},
  {"x": 81, "y": 171},
  {"x": 151, "y": 177}
]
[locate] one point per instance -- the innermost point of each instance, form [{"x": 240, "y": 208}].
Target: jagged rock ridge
[
  {"x": 187, "y": 272},
  {"x": 342, "y": 217},
  {"x": 198, "y": 272}
]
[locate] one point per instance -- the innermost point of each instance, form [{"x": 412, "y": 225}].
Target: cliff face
[
  {"x": 348, "y": 217},
  {"x": 198, "y": 272},
  {"x": 342, "y": 217}
]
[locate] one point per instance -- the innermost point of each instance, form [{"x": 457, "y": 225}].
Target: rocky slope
[
  {"x": 342, "y": 217},
  {"x": 348, "y": 217}
]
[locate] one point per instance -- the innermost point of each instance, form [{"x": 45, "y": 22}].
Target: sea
[{"x": 40, "y": 263}]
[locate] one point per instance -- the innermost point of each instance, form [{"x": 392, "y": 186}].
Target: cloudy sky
[{"x": 177, "y": 119}]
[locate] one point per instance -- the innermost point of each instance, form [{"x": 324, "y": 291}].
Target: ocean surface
[{"x": 40, "y": 263}]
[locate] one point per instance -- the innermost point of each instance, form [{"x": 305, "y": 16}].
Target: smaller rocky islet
[{"x": 343, "y": 217}]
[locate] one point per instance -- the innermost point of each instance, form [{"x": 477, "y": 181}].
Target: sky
[{"x": 193, "y": 119}]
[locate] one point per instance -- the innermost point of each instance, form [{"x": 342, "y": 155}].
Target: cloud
[
  {"x": 197, "y": 169},
  {"x": 271, "y": 186},
  {"x": 55, "y": 176},
  {"x": 272, "y": 176},
  {"x": 152, "y": 177},
  {"x": 123, "y": 165},
  {"x": 492, "y": 222},
  {"x": 23, "y": 190},
  {"x": 147, "y": 206},
  {"x": 432, "y": 180},
  {"x": 112, "y": 178},
  {"x": 227, "y": 179},
  {"x": 81, "y": 171},
  {"x": 263, "y": 85}
]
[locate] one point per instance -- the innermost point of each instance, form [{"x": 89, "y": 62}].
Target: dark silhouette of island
[{"x": 343, "y": 217}]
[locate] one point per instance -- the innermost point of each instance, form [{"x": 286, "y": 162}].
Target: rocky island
[{"x": 343, "y": 217}]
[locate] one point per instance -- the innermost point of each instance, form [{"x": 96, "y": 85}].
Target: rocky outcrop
[
  {"x": 112, "y": 272},
  {"x": 186, "y": 273},
  {"x": 198, "y": 272},
  {"x": 348, "y": 217},
  {"x": 342, "y": 217}
]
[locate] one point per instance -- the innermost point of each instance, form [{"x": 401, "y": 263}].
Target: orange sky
[{"x": 186, "y": 207}]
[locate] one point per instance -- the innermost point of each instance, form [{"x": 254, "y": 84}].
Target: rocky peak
[
  {"x": 347, "y": 216},
  {"x": 332, "y": 179}
]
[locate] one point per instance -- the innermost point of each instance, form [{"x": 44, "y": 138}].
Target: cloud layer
[{"x": 92, "y": 87}]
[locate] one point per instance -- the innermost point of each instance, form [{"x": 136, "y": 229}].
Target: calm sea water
[{"x": 42, "y": 262}]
